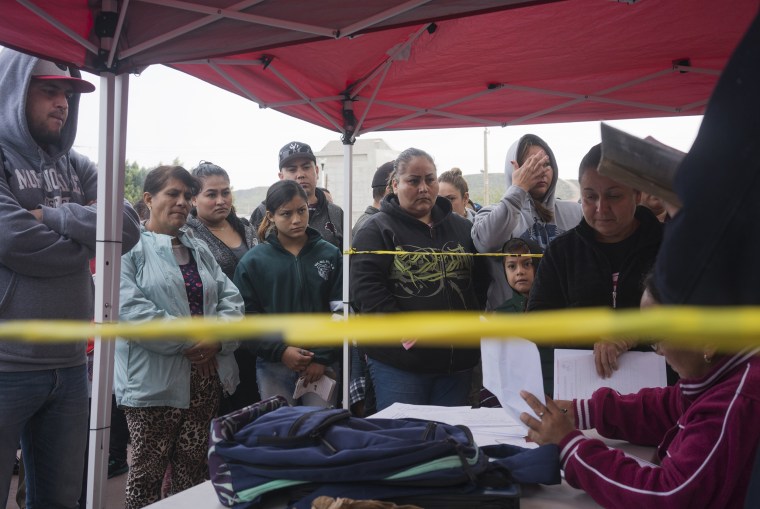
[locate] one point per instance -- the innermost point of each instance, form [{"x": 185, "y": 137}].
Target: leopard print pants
[{"x": 168, "y": 436}]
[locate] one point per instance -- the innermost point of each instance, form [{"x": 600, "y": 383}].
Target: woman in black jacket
[
  {"x": 600, "y": 262},
  {"x": 420, "y": 225}
]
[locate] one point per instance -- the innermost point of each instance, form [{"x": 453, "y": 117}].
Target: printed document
[{"x": 575, "y": 373}]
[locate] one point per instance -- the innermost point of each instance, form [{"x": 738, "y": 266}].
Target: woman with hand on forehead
[{"x": 528, "y": 210}]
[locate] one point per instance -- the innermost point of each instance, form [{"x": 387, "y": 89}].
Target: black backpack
[{"x": 270, "y": 449}]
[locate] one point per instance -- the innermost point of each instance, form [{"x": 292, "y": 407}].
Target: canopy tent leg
[
  {"x": 348, "y": 154},
  {"x": 114, "y": 91}
]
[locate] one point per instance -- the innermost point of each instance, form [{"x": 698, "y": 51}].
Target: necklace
[{"x": 220, "y": 229}]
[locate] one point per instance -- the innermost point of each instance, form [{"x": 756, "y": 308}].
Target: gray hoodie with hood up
[
  {"x": 44, "y": 265},
  {"x": 515, "y": 215}
]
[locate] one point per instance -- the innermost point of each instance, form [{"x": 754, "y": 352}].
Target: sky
[{"x": 173, "y": 115}]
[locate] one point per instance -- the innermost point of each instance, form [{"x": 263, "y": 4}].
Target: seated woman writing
[{"x": 702, "y": 428}]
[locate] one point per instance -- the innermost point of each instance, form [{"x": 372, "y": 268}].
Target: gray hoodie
[
  {"x": 515, "y": 215},
  {"x": 44, "y": 266}
]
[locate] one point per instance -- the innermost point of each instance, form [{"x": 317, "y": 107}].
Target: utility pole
[
  {"x": 486, "y": 198},
  {"x": 324, "y": 175}
]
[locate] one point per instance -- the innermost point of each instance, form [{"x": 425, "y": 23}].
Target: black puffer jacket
[
  {"x": 574, "y": 273},
  {"x": 419, "y": 281}
]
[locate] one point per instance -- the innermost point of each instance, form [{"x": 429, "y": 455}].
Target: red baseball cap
[{"x": 46, "y": 70}]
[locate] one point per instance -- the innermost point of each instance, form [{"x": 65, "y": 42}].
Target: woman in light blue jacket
[{"x": 170, "y": 389}]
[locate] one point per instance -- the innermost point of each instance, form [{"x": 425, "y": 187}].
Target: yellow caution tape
[
  {"x": 727, "y": 329},
  {"x": 439, "y": 253}
]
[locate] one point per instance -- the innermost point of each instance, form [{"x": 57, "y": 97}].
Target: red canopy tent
[
  {"x": 555, "y": 62},
  {"x": 356, "y": 67},
  {"x": 408, "y": 64}
]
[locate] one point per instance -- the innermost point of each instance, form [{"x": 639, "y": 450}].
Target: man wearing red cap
[{"x": 47, "y": 227}]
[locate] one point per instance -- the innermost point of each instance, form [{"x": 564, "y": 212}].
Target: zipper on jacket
[
  {"x": 447, "y": 291},
  {"x": 429, "y": 430}
]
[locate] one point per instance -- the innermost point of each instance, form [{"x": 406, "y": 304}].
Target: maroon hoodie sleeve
[
  {"x": 642, "y": 418},
  {"x": 705, "y": 457}
]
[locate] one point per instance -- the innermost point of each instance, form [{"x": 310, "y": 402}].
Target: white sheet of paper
[
  {"x": 489, "y": 426},
  {"x": 575, "y": 374},
  {"x": 509, "y": 366}
]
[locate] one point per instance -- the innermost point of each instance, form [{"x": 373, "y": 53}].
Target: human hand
[
  {"x": 532, "y": 171},
  {"x": 606, "y": 353},
  {"x": 671, "y": 209},
  {"x": 313, "y": 372},
  {"x": 203, "y": 357},
  {"x": 297, "y": 359},
  {"x": 37, "y": 213},
  {"x": 554, "y": 421}
]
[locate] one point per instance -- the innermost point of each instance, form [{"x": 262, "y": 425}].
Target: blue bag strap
[{"x": 527, "y": 466}]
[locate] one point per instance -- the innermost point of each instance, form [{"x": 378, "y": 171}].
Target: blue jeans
[
  {"x": 48, "y": 411},
  {"x": 393, "y": 385},
  {"x": 274, "y": 378}
]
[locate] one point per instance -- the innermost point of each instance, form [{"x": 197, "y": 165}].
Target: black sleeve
[
  {"x": 369, "y": 272},
  {"x": 481, "y": 279},
  {"x": 547, "y": 291}
]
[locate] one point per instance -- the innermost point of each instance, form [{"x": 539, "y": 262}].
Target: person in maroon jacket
[{"x": 704, "y": 428}]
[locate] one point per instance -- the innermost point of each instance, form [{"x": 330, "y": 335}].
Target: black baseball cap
[
  {"x": 381, "y": 175},
  {"x": 295, "y": 150}
]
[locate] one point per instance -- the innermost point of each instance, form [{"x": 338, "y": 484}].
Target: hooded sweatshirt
[
  {"x": 515, "y": 215},
  {"x": 44, "y": 265},
  {"x": 706, "y": 434},
  {"x": 418, "y": 281}
]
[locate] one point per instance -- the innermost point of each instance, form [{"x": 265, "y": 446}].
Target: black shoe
[
  {"x": 15, "y": 466},
  {"x": 117, "y": 467}
]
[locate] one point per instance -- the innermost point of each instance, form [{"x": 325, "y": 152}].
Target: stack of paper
[{"x": 489, "y": 426}]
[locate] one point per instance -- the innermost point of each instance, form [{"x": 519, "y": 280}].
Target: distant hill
[
  {"x": 246, "y": 200},
  {"x": 566, "y": 189},
  {"x": 496, "y": 187}
]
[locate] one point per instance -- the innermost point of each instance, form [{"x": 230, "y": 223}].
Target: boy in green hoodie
[{"x": 520, "y": 271}]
